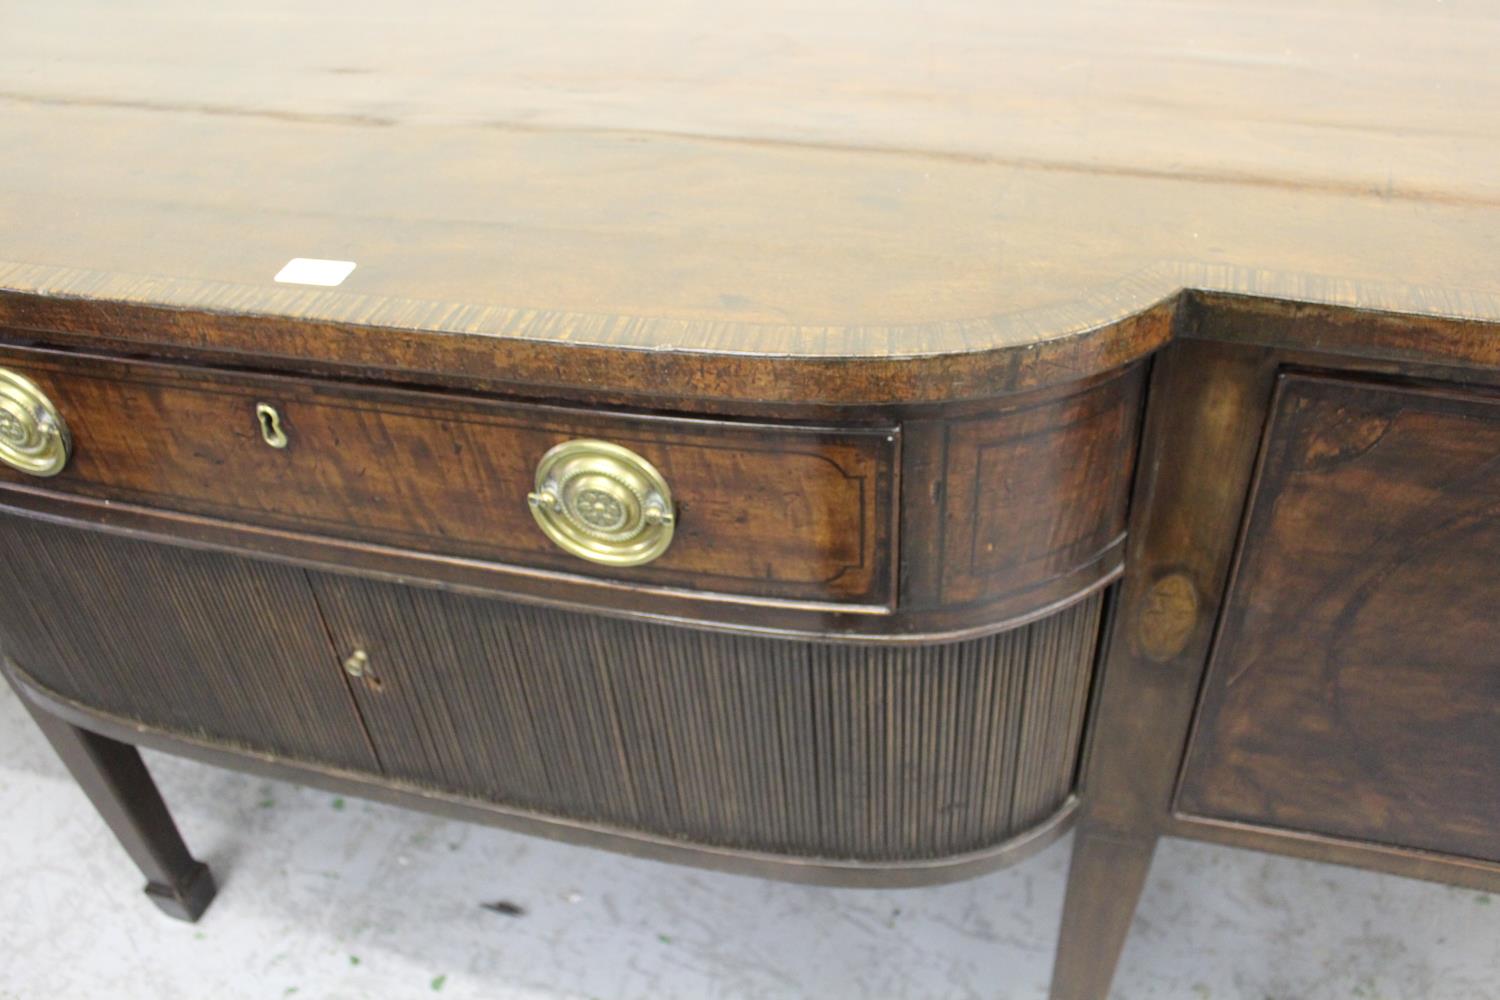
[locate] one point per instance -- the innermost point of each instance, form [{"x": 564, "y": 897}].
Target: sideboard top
[{"x": 756, "y": 178}]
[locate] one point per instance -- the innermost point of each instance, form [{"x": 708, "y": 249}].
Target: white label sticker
[{"x": 311, "y": 271}]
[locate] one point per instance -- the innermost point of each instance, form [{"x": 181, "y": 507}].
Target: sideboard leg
[
  {"x": 115, "y": 779},
  {"x": 1104, "y": 884}
]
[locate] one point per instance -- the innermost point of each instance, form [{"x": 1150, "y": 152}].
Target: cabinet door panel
[
  {"x": 1355, "y": 687},
  {"x": 791, "y": 747},
  {"x": 207, "y": 645}
]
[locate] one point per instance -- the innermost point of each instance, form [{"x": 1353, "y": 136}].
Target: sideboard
[{"x": 844, "y": 450}]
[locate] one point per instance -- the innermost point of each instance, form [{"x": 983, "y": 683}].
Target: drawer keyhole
[{"x": 270, "y": 425}]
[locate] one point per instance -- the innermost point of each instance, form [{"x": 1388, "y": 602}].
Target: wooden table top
[{"x": 758, "y": 179}]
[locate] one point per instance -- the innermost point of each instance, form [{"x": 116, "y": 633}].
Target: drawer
[
  {"x": 794, "y": 513},
  {"x": 1354, "y": 690}
]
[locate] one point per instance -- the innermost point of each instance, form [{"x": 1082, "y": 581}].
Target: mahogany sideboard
[{"x": 851, "y": 450}]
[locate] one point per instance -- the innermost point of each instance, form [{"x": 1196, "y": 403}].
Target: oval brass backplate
[
  {"x": 33, "y": 435},
  {"x": 603, "y": 503}
]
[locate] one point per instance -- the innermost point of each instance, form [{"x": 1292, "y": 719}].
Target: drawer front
[
  {"x": 781, "y": 512},
  {"x": 1355, "y": 686}
]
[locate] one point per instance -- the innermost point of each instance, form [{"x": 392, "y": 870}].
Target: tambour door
[
  {"x": 800, "y": 748},
  {"x": 202, "y": 644}
]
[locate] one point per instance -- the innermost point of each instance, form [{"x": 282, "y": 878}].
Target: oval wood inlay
[{"x": 1167, "y": 616}]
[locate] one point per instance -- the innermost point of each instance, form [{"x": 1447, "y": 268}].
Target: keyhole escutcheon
[{"x": 270, "y": 425}]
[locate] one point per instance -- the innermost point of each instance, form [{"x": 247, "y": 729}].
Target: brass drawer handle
[
  {"x": 33, "y": 435},
  {"x": 603, "y": 503}
]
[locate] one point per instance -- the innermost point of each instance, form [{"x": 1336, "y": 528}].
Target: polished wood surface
[
  {"x": 918, "y": 204},
  {"x": 940, "y": 319},
  {"x": 1016, "y": 508},
  {"x": 780, "y": 749},
  {"x": 799, "y": 513},
  {"x": 799, "y": 749},
  {"x": 1036, "y": 493},
  {"x": 1354, "y": 690},
  {"x": 1191, "y": 525},
  {"x": 1202, "y": 432},
  {"x": 195, "y": 642}
]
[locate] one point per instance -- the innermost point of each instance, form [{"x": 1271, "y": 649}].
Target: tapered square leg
[
  {"x": 1104, "y": 884},
  {"x": 115, "y": 779}
]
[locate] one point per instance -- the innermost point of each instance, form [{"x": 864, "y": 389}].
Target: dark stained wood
[
  {"x": 1399, "y": 342},
  {"x": 800, "y": 209},
  {"x": 812, "y": 871},
  {"x": 1038, "y": 492},
  {"x": 798, "y": 513},
  {"x": 800, "y": 749},
  {"x": 116, "y": 781},
  {"x": 1479, "y": 875},
  {"x": 1105, "y": 878},
  {"x": 935, "y": 299},
  {"x": 744, "y": 383},
  {"x": 1365, "y": 479},
  {"x": 1203, "y": 422},
  {"x": 192, "y": 642},
  {"x": 791, "y": 749},
  {"x": 1013, "y": 511},
  {"x": 1354, "y": 690}
]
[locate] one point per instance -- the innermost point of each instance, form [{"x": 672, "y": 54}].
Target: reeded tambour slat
[{"x": 804, "y": 749}]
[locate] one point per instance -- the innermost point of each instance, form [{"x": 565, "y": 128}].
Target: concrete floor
[{"x": 331, "y": 898}]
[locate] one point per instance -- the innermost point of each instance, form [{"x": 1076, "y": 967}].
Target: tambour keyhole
[
  {"x": 270, "y": 425},
  {"x": 357, "y": 665}
]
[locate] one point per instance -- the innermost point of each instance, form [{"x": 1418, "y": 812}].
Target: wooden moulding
[
  {"x": 908, "y": 531},
  {"x": 1431, "y": 866},
  {"x": 882, "y": 755},
  {"x": 1039, "y": 349},
  {"x": 812, "y": 871},
  {"x": 792, "y": 513},
  {"x": 1112, "y": 337}
]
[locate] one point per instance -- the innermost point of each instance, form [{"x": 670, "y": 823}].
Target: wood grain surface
[
  {"x": 1354, "y": 691},
  {"x": 805, "y": 749},
  {"x": 791, "y": 512},
  {"x": 1205, "y": 411},
  {"x": 1036, "y": 493},
  {"x": 203, "y": 644},
  {"x": 927, "y": 530},
  {"x": 954, "y": 197}
]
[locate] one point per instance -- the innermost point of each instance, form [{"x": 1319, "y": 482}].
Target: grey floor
[{"x": 326, "y": 897}]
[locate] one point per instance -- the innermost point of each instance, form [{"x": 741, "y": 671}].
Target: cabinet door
[
  {"x": 800, "y": 748},
  {"x": 1355, "y": 686},
  {"x": 205, "y": 645}
]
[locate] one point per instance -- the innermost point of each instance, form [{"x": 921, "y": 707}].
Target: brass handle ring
[
  {"x": 33, "y": 436},
  {"x": 603, "y": 503}
]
